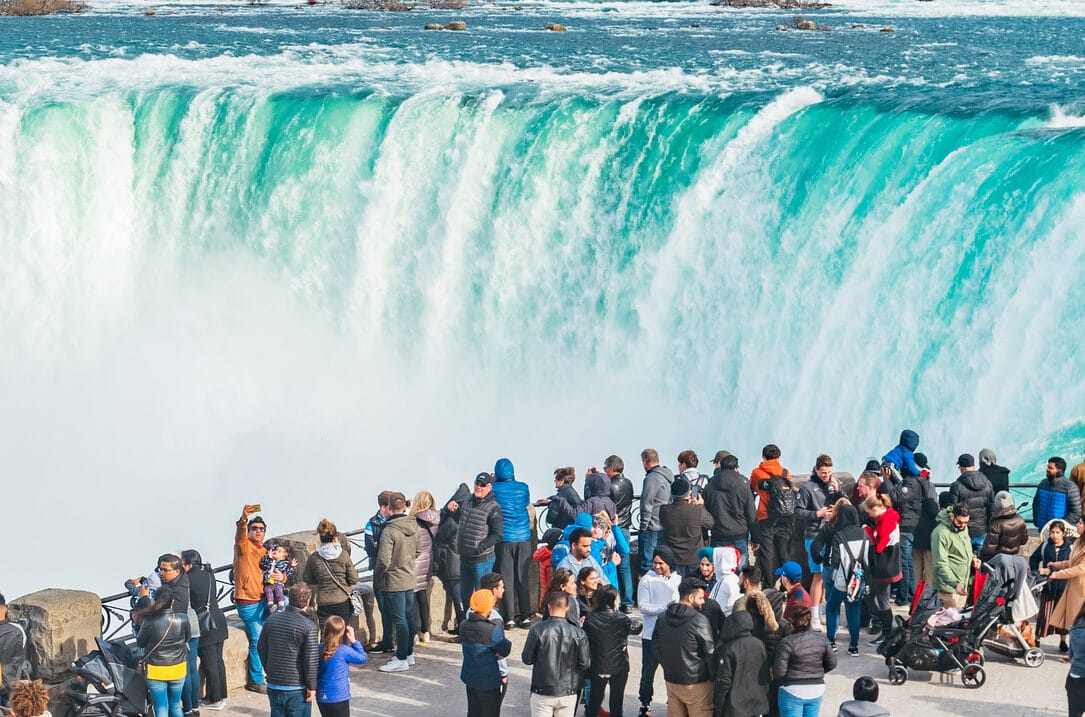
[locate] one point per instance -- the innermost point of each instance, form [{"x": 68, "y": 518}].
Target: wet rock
[
  {"x": 435, "y": 26},
  {"x": 782, "y": 28},
  {"x": 150, "y": 11},
  {"x": 806, "y": 25},
  {"x": 886, "y": 29},
  {"x": 555, "y": 28},
  {"x": 456, "y": 25}
]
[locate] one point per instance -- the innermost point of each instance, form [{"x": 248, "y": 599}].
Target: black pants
[
  {"x": 617, "y": 694},
  {"x": 334, "y": 709},
  {"x": 421, "y": 600},
  {"x": 484, "y": 703},
  {"x": 343, "y": 609},
  {"x": 1075, "y": 695},
  {"x": 513, "y": 560},
  {"x": 453, "y": 598},
  {"x": 214, "y": 671},
  {"x": 649, "y": 661},
  {"x": 775, "y": 546}
]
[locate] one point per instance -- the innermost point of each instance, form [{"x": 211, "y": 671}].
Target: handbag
[
  {"x": 356, "y": 604},
  {"x": 206, "y": 618}
]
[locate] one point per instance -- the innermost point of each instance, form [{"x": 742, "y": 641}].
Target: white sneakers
[
  {"x": 425, "y": 638},
  {"x": 396, "y": 665},
  {"x": 815, "y": 624},
  {"x": 410, "y": 660},
  {"x": 214, "y": 705}
]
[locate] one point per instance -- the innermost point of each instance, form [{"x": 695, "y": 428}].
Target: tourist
[
  {"x": 742, "y": 678},
  {"x": 175, "y": 590},
  {"x": 1056, "y": 497},
  {"x": 204, "y": 599},
  {"x": 847, "y": 558},
  {"x": 1072, "y": 570},
  {"x": 276, "y": 561},
  {"x": 249, "y": 589},
  {"x": 922, "y": 565},
  {"x": 396, "y": 555},
  {"x": 544, "y": 557},
  {"x": 12, "y": 652},
  {"x": 597, "y": 496},
  {"x": 684, "y": 524},
  {"x": 373, "y": 528},
  {"x": 973, "y": 489},
  {"x": 1007, "y": 532},
  {"x": 750, "y": 579},
  {"x": 884, "y": 568},
  {"x": 705, "y": 569},
  {"x": 728, "y": 588},
  {"x": 564, "y": 581},
  {"x": 330, "y": 574},
  {"x": 658, "y": 588},
  {"x": 484, "y": 647},
  {"x": 423, "y": 510},
  {"x": 685, "y": 647},
  {"x": 771, "y": 482},
  {"x": 813, "y": 506},
  {"x": 608, "y": 633},
  {"x": 30, "y": 699},
  {"x": 903, "y": 455},
  {"x": 864, "y": 700},
  {"x": 730, "y": 501},
  {"x": 655, "y": 493},
  {"x": 447, "y": 559},
  {"x": 289, "y": 647},
  {"x": 580, "y": 553},
  {"x": 687, "y": 467},
  {"x": 621, "y": 492},
  {"x": 790, "y": 575},
  {"x": 802, "y": 659},
  {"x": 338, "y": 651},
  {"x": 563, "y": 506},
  {"x": 512, "y": 555},
  {"x": 587, "y": 583},
  {"x": 1075, "y": 679},
  {"x": 559, "y": 655},
  {"x": 999, "y": 476},
  {"x": 907, "y": 493},
  {"x": 1056, "y": 538},
  {"x": 163, "y": 636},
  {"x": 1077, "y": 476},
  {"x": 952, "y": 555},
  {"x": 494, "y": 583},
  {"x": 609, "y": 546},
  {"x": 481, "y": 528}
]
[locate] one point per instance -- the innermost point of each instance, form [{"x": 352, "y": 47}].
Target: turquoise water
[{"x": 243, "y": 249}]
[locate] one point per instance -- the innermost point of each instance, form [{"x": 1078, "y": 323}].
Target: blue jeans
[
  {"x": 833, "y": 599},
  {"x": 387, "y": 626},
  {"x": 977, "y": 543},
  {"x": 647, "y": 542},
  {"x": 625, "y": 582},
  {"x": 906, "y": 586},
  {"x": 166, "y": 696},
  {"x": 288, "y": 703},
  {"x": 470, "y": 578},
  {"x": 792, "y": 706},
  {"x": 253, "y": 616},
  {"x": 742, "y": 546},
  {"x": 401, "y": 606},
  {"x": 190, "y": 696}
]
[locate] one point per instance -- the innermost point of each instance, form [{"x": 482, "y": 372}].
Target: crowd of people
[{"x": 734, "y": 584}]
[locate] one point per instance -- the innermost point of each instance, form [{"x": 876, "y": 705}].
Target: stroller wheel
[
  {"x": 1034, "y": 657},
  {"x": 898, "y": 675},
  {"x": 973, "y": 676}
]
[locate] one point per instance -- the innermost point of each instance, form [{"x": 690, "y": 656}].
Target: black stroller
[{"x": 108, "y": 681}]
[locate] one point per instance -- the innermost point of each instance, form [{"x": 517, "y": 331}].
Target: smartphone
[{"x": 255, "y": 507}]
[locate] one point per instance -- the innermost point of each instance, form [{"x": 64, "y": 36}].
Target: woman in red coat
[{"x": 884, "y": 558}]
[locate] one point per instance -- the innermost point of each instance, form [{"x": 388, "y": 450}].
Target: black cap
[
  {"x": 873, "y": 466},
  {"x": 484, "y": 479},
  {"x": 966, "y": 460}
]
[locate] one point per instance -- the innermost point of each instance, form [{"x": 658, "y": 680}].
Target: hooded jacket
[
  {"x": 564, "y": 505},
  {"x": 727, "y": 589},
  {"x": 513, "y": 497},
  {"x": 764, "y": 471},
  {"x": 655, "y": 494},
  {"x": 907, "y": 494},
  {"x": 1056, "y": 499},
  {"x": 12, "y": 653},
  {"x": 885, "y": 561},
  {"x": 330, "y": 563},
  {"x": 951, "y": 554},
  {"x": 830, "y": 544},
  {"x": 903, "y": 456},
  {"x": 974, "y": 489},
  {"x": 427, "y": 534},
  {"x": 683, "y": 641},
  {"x": 998, "y": 475},
  {"x": 730, "y": 502},
  {"x": 597, "y": 497},
  {"x": 396, "y": 554},
  {"x": 481, "y": 528},
  {"x": 446, "y": 553},
  {"x": 813, "y": 496},
  {"x": 742, "y": 674},
  {"x": 559, "y": 655},
  {"x": 928, "y": 515},
  {"x": 1007, "y": 532},
  {"x": 608, "y": 637},
  {"x": 621, "y": 492}
]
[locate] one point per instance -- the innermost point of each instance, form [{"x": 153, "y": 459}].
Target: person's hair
[
  {"x": 690, "y": 585},
  {"x": 566, "y": 475},
  {"x": 604, "y": 597},
  {"x": 257, "y": 520},
  {"x": 490, "y": 581},
  {"x": 823, "y": 461},
  {"x": 836, "y": 509},
  {"x": 397, "y": 502},
  {"x": 689, "y": 458},
  {"x": 559, "y": 578},
  {"x": 615, "y": 464},
  {"x": 162, "y": 603},
  {"x": 865, "y": 689},
  {"x": 800, "y": 618},
  {"x": 29, "y": 699},
  {"x": 869, "y": 479},
  {"x": 578, "y": 534},
  {"x": 960, "y": 510},
  {"x": 649, "y": 455},
  {"x": 601, "y": 520},
  {"x": 753, "y": 574},
  {"x": 770, "y": 452},
  {"x": 384, "y": 498},
  {"x": 3, "y": 601},
  {"x": 557, "y": 601},
  {"x": 582, "y": 577},
  {"x": 1059, "y": 463},
  {"x": 423, "y": 500},
  {"x": 876, "y": 500},
  {"x": 174, "y": 561},
  {"x": 729, "y": 462},
  {"x": 326, "y": 530},
  {"x": 300, "y": 595},
  {"x": 759, "y": 606},
  {"x": 1050, "y": 526},
  {"x": 335, "y": 630}
]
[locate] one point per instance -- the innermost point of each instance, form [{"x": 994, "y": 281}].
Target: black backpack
[{"x": 781, "y": 496}]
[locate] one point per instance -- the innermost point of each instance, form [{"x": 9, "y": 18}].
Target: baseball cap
[
  {"x": 484, "y": 479},
  {"x": 966, "y": 460},
  {"x": 720, "y": 455},
  {"x": 790, "y": 570}
]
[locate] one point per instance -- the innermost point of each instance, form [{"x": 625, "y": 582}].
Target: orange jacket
[
  {"x": 248, "y": 577},
  {"x": 766, "y": 470}
]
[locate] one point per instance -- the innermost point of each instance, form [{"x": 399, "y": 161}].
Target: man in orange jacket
[
  {"x": 249, "y": 587},
  {"x": 775, "y": 510}
]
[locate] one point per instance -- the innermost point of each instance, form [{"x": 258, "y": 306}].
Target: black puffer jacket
[
  {"x": 683, "y": 641},
  {"x": 563, "y": 507},
  {"x": 1007, "y": 532},
  {"x": 481, "y": 528},
  {"x": 608, "y": 636},
  {"x": 164, "y": 638},
  {"x": 621, "y": 492},
  {"x": 742, "y": 675},
  {"x": 203, "y": 590},
  {"x": 803, "y": 658},
  {"x": 907, "y": 496},
  {"x": 289, "y": 648},
  {"x": 446, "y": 552},
  {"x": 928, "y": 515},
  {"x": 974, "y": 489},
  {"x": 729, "y": 500},
  {"x": 559, "y": 655}
]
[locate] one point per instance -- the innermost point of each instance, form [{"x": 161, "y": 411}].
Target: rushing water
[{"x": 289, "y": 255}]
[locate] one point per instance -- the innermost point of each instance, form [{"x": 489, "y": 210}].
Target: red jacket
[
  {"x": 885, "y": 539},
  {"x": 766, "y": 470}
]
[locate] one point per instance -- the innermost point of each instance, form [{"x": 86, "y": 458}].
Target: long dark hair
[{"x": 162, "y": 603}]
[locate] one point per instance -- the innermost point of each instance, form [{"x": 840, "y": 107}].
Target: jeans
[
  {"x": 792, "y": 706},
  {"x": 625, "y": 582},
  {"x": 649, "y": 661},
  {"x": 617, "y": 694},
  {"x": 453, "y": 602},
  {"x": 742, "y": 546},
  {"x": 906, "y": 586},
  {"x": 400, "y": 606},
  {"x": 470, "y": 578},
  {"x": 387, "y": 626},
  {"x": 253, "y": 616},
  {"x": 977, "y": 543},
  {"x": 833, "y": 599},
  {"x": 513, "y": 562},
  {"x": 775, "y": 547},
  {"x": 166, "y": 695},
  {"x": 288, "y": 703},
  {"x": 190, "y": 696},
  {"x": 647, "y": 542}
]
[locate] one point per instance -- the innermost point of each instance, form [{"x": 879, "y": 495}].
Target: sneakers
[
  {"x": 424, "y": 639},
  {"x": 396, "y": 665},
  {"x": 878, "y": 640},
  {"x": 815, "y": 624},
  {"x": 510, "y": 624},
  {"x": 410, "y": 660},
  {"x": 645, "y": 711},
  {"x": 627, "y": 609},
  {"x": 258, "y": 687},
  {"x": 853, "y": 650},
  {"x": 526, "y": 623},
  {"x": 216, "y": 706},
  {"x": 381, "y": 647},
  {"x": 832, "y": 645}
]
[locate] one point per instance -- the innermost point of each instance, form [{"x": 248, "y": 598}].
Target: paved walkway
[{"x": 432, "y": 686}]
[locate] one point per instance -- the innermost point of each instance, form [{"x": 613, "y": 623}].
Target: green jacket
[
  {"x": 952, "y": 554},
  {"x": 396, "y": 553}
]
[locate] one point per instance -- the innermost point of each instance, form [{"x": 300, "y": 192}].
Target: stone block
[
  {"x": 235, "y": 653},
  {"x": 62, "y": 626}
]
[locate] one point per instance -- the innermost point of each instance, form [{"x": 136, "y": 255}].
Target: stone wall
[{"x": 61, "y": 626}]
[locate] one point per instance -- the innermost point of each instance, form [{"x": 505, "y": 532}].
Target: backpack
[
  {"x": 781, "y": 496},
  {"x": 853, "y": 576}
]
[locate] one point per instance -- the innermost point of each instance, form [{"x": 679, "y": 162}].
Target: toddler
[{"x": 276, "y": 559}]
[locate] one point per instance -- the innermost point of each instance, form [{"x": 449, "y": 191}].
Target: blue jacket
[
  {"x": 483, "y": 643},
  {"x": 513, "y": 497},
  {"x": 1077, "y": 648},
  {"x": 903, "y": 456},
  {"x": 333, "y": 674},
  {"x": 1056, "y": 499}
]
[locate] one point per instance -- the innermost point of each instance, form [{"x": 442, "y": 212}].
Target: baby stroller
[
  {"x": 1004, "y": 636},
  {"x": 108, "y": 681}
]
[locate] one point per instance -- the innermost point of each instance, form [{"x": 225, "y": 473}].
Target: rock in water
[
  {"x": 456, "y": 25},
  {"x": 886, "y": 29},
  {"x": 555, "y": 28},
  {"x": 806, "y": 25},
  {"x": 435, "y": 26}
]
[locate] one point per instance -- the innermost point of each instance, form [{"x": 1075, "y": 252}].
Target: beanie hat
[
  {"x": 482, "y": 602},
  {"x": 666, "y": 555},
  {"x": 503, "y": 470},
  {"x": 921, "y": 460},
  {"x": 873, "y": 466},
  {"x": 679, "y": 488}
]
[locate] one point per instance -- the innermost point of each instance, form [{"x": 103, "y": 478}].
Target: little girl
[
  {"x": 276, "y": 560},
  {"x": 338, "y": 651}
]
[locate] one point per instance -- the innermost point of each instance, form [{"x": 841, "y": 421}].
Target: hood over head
[
  {"x": 725, "y": 560},
  {"x": 846, "y": 516},
  {"x": 596, "y": 484},
  {"x": 909, "y": 439},
  {"x": 1071, "y": 530},
  {"x": 974, "y": 480},
  {"x": 739, "y": 624},
  {"x": 1003, "y": 505},
  {"x": 503, "y": 470}
]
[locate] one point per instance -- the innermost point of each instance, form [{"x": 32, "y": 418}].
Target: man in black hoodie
[
  {"x": 973, "y": 489},
  {"x": 683, "y": 641},
  {"x": 742, "y": 681},
  {"x": 998, "y": 475},
  {"x": 729, "y": 500},
  {"x": 621, "y": 492}
]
